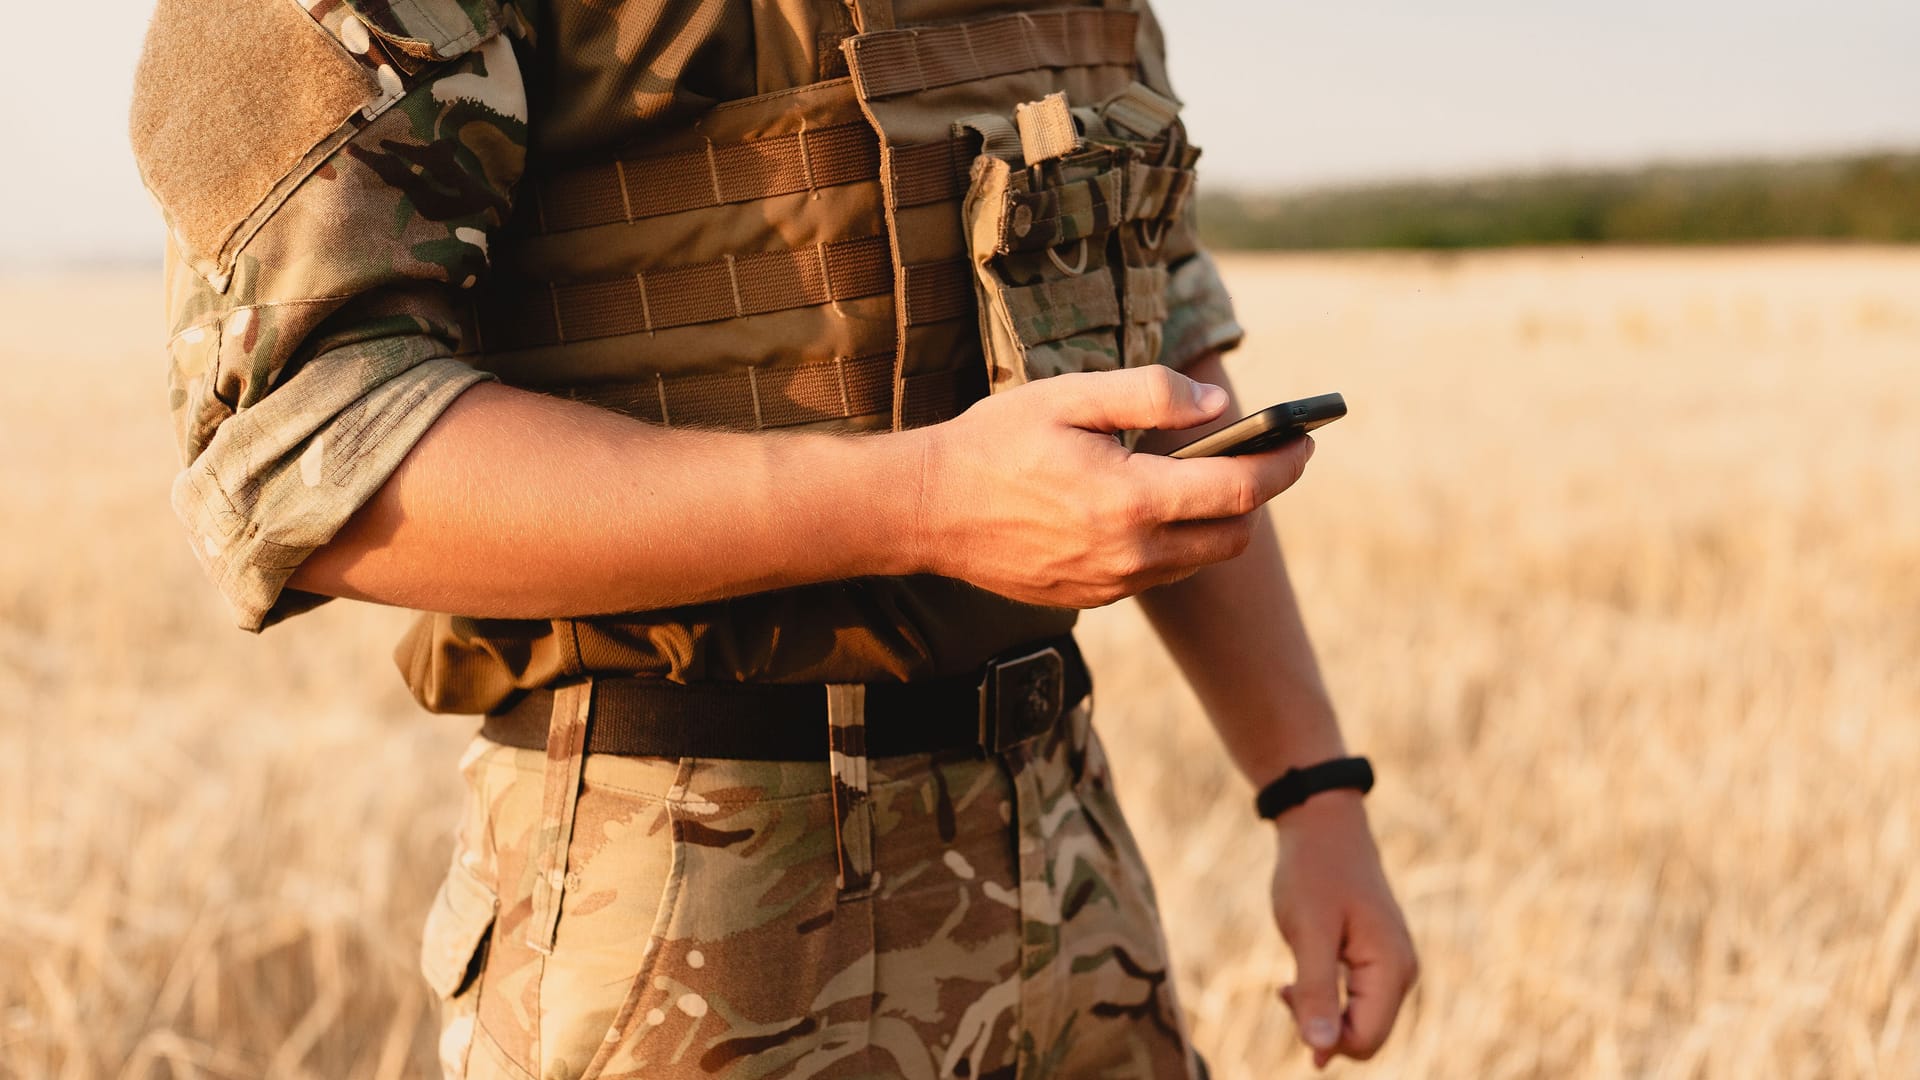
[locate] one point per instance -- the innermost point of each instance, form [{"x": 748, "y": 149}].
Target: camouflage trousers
[{"x": 699, "y": 918}]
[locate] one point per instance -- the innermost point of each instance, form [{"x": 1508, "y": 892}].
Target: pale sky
[{"x": 1279, "y": 93}]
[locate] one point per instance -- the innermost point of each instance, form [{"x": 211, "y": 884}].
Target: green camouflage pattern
[
  {"x": 1060, "y": 213},
  {"x": 299, "y": 382},
  {"x": 1200, "y": 318},
  {"x": 1009, "y": 929},
  {"x": 1072, "y": 257}
]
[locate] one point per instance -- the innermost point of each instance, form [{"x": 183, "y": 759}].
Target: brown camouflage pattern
[
  {"x": 559, "y": 799},
  {"x": 939, "y": 916},
  {"x": 299, "y": 380},
  {"x": 851, "y": 781},
  {"x": 1010, "y": 930},
  {"x": 299, "y": 384}
]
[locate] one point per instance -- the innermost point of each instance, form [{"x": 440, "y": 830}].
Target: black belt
[{"x": 1006, "y": 703}]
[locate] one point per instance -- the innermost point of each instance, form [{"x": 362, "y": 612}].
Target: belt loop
[
  {"x": 852, "y": 812},
  {"x": 566, "y": 760}
]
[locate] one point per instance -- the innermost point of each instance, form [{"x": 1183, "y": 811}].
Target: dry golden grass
[{"x": 1615, "y": 570}]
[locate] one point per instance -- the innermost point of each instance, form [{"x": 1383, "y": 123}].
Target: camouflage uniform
[
  {"x": 338, "y": 177},
  {"x": 702, "y": 931}
]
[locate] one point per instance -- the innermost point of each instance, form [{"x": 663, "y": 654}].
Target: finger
[
  {"x": 1185, "y": 546},
  {"x": 1376, "y": 985},
  {"x": 1314, "y": 996},
  {"x": 1153, "y": 396},
  {"x": 1200, "y": 489}
]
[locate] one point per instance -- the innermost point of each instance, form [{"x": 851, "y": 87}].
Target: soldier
[{"x": 745, "y": 377}]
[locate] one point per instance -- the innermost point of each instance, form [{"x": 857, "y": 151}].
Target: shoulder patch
[{"x": 235, "y": 103}]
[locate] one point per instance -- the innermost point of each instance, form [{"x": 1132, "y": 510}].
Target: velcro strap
[
  {"x": 1141, "y": 111},
  {"x": 998, "y": 136},
  {"x": 1046, "y": 128}
]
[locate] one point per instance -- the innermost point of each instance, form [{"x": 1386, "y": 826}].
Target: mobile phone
[{"x": 1267, "y": 428}]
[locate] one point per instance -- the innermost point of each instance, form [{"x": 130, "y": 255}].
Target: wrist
[
  {"x": 910, "y": 466},
  {"x": 1294, "y": 789},
  {"x": 920, "y": 471},
  {"x": 1305, "y": 743},
  {"x": 1340, "y": 804}
]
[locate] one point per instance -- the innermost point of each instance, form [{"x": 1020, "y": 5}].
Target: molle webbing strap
[
  {"x": 937, "y": 292},
  {"x": 928, "y": 173},
  {"x": 751, "y": 399},
  {"x": 719, "y": 175},
  {"x": 927, "y": 57},
  {"x": 638, "y": 188},
  {"x": 528, "y": 314},
  {"x": 997, "y": 135}
]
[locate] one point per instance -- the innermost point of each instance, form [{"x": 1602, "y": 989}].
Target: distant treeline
[{"x": 1866, "y": 198}]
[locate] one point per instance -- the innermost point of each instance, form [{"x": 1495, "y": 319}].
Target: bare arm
[
  {"x": 1236, "y": 632},
  {"x": 521, "y": 505},
  {"x": 518, "y": 505}
]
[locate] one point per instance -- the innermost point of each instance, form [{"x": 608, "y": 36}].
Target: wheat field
[{"x": 1614, "y": 570}]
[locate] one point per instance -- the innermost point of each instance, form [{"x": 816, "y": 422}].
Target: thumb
[
  {"x": 1154, "y": 396},
  {"x": 1314, "y": 996}
]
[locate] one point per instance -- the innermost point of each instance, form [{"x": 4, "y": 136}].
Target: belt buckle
[{"x": 1021, "y": 699}]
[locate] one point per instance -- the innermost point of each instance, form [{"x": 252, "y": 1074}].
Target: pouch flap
[
  {"x": 1046, "y": 128},
  {"x": 1156, "y": 191},
  {"x": 1056, "y": 310},
  {"x": 1141, "y": 111},
  {"x": 457, "y": 926},
  {"x": 430, "y": 29},
  {"x": 1146, "y": 294},
  {"x": 1059, "y": 215}
]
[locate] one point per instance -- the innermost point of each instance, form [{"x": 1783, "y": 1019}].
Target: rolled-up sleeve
[
  {"x": 300, "y": 381},
  {"x": 1200, "y": 317}
]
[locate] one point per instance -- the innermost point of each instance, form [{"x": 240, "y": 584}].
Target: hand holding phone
[{"x": 1268, "y": 428}]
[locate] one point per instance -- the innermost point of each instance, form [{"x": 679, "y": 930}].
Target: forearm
[
  {"x": 1235, "y": 630},
  {"x": 519, "y": 505}
]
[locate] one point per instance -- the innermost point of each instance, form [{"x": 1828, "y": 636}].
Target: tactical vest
[{"x": 988, "y": 195}]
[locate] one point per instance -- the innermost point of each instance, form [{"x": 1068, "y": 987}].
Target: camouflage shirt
[{"x": 332, "y": 172}]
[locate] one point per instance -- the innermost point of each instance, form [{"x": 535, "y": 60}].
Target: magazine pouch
[{"x": 1065, "y": 215}]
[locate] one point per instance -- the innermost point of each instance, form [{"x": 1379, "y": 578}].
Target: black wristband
[{"x": 1296, "y": 786}]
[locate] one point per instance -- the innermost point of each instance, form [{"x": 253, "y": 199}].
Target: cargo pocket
[
  {"x": 755, "y": 966},
  {"x": 452, "y": 955},
  {"x": 1067, "y": 219}
]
